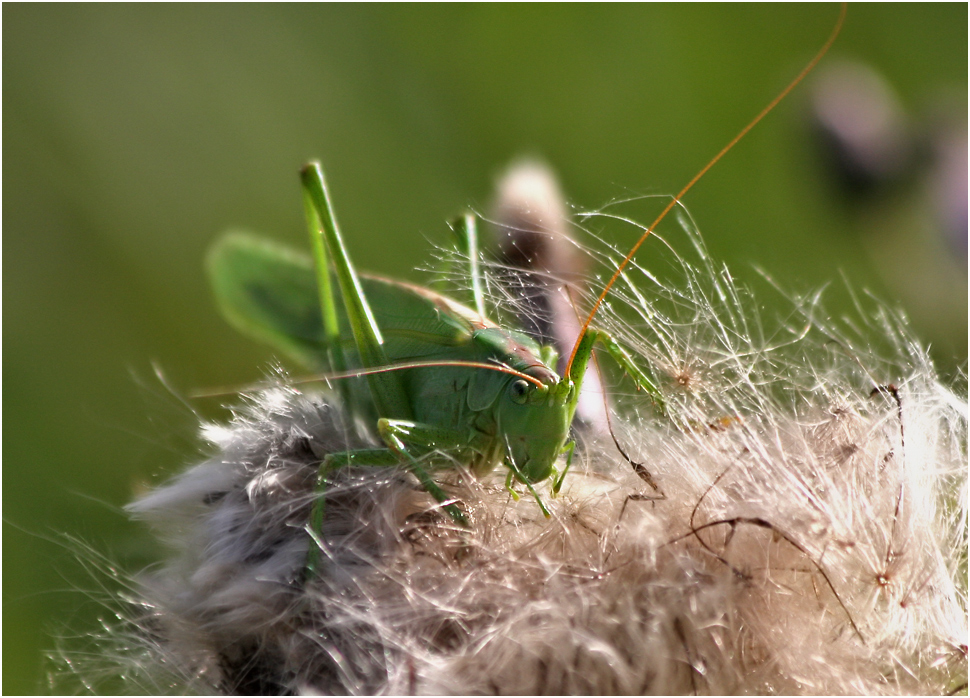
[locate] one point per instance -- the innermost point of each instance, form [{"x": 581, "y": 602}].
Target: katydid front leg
[
  {"x": 568, "y": 450},
  {"x": 584, "y": 351}
]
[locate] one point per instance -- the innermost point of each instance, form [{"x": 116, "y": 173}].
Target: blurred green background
[{"x": 135, "y": 134}]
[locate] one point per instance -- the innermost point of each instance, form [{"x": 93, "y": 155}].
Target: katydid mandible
[{"x": 441, "y": 377}]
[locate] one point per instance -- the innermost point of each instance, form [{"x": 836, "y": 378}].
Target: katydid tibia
[{"x": 443, "y": 383}]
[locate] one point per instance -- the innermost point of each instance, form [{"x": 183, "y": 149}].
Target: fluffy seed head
[{"x": 812, "y": 537}]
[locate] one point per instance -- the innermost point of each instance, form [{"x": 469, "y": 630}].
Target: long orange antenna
[
  {"x": 357, "y": 373},
  {"x": 673, "y": 202}
]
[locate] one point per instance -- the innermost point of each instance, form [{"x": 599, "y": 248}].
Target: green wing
[{"x": 268, "y": 292}]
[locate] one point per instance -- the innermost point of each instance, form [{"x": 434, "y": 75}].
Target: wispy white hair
[
  {"x": 816, "y": 545},
  {"x": 810, "y": 538}
]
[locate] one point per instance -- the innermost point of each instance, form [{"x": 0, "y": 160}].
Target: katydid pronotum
[{"x": 445, "y": 384}]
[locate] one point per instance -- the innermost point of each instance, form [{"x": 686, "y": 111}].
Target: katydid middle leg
[
  {"x": 465, "y": 229},
  {"x": 397, "y": 434}
]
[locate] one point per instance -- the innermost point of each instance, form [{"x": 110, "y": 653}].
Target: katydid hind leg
[
  {"x": 328, "y": 304},
  {"x": 387, "y": 391}
]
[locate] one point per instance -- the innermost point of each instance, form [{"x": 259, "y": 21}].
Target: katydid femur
[{"x": 444, "y": 384}]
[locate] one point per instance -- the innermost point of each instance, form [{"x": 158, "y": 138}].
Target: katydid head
[
  {"x": 533, "y": 408},
  {"x": 534, "y": 418}
]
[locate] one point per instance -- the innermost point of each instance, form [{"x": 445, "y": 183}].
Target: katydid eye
[{"x": 519, "y": 390}]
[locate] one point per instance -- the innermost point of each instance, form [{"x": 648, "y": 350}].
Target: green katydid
[{"x": 441, "y": 377}]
